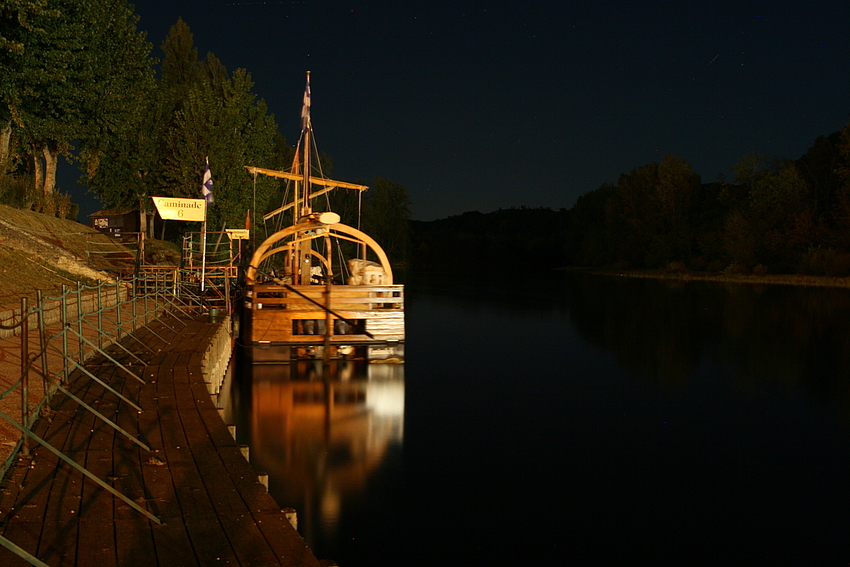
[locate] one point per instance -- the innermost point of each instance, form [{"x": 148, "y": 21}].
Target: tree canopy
[
  {"x": 197, "y": 111},
  {"x": 74, "y": 68},
  {"x": 386, "y": 218},
  {"x": 777, "y": 215}
]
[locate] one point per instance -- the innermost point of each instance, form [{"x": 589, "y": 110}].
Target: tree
[
  {"x": 41, "y": 98},
  {"x": 180, "y": 65},
  {"x": 820, "y": 167},
  {"x": 16, "y": 31},
  {"x": 120, "y": 144},
  {"x": 586, "y": 239},
  {"x": 841, "y": 212},
  {"x": 762, "y": 226},
  {"x": 677, "y": 184},
  {"x": 676, "y": 189},
  {"x": 648, "y": 216},
  {"x": 631, "y": 218},
  {"x": 220, "y": 119},
  {"x": 386, "y": 218},
  {"x": 198, "y": 111},
  {"x": 127, "y": 169},
  {"x": 78, "y": 62}
]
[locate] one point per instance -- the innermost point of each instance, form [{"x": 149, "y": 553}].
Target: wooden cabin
[{"x": 114, "y": 221}]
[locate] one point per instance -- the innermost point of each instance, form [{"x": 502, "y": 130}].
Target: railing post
[
  {"x": 150, "y": 287},
  {"x": 99, "y": 317},
  {"x": 135, "y": 324},
  {"x": 147, "y": 294},
  {"x": 81, "y": 353},
  {"x": 326, "y": 351},
  {"x": 143, "y": 284},
  {"x": 64, "y": 318},
  {"x": 25, "y": 371},
  {"x": 227, "y": 290},
  {"x": 42, "y": 341},
  {"x": 118, "y": 309}
]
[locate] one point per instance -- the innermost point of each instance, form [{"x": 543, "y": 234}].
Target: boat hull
[{"x": 345, "y": 321}]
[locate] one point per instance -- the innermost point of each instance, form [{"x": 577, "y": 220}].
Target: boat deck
[{"x": 195, "y": 480}]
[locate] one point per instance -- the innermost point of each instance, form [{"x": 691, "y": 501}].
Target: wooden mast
[{"x": 305, "y": 247}]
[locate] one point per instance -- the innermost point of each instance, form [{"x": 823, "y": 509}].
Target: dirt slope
[{"x": 41, "y": 252}]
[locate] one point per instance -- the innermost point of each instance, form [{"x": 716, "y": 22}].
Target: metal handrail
[{"x": 108, "y": 312}]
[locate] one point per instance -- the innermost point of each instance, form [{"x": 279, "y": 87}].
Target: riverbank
[{"x": 765, "y": 279}]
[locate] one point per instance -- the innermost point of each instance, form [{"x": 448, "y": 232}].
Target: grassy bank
[{"x": 773, "y": 279}]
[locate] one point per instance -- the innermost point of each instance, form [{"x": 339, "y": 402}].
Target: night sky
[{"x": 488, "y": 105}]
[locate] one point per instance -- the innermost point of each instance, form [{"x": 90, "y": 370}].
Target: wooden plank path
[{"x": 195, "y": 480}]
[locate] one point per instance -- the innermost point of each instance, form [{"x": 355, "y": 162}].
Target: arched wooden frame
[
  {"x": 289, "y": 246},
  {"x": 265, "y": 249}
]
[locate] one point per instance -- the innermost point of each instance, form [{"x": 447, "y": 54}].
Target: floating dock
[{"x": 184, "y": 493}]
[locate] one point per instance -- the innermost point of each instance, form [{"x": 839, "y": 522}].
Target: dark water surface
[{"x": 573, "y": 419}]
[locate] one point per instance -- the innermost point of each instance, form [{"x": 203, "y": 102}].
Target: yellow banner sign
[
  {"x": 171, "y": 208},
  {"x": 238, "y": 233}
]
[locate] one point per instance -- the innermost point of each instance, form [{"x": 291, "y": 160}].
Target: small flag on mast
[
  {"x": 305, "y": 109},
  {"x": 207, "y": 185}
]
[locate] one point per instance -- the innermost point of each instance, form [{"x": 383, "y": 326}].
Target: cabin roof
[{"x": 113, "y": 212}]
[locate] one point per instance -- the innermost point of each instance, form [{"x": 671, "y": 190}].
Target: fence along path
[
  {"x": 42, "y": 342},
  {"x": 207, "y": 502}
]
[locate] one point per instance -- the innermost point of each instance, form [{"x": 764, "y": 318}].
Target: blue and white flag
[
  {"x": 305, "y": 110},
  {"x": 207, "y": 185}
]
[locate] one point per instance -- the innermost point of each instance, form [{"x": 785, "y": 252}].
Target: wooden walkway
[{"x": 213, "y": 509}]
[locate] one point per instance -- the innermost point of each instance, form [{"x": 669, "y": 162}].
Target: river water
[{"x": 572, "y": 418}]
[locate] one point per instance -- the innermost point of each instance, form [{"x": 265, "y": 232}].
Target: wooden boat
[{"x": 304, "y": 297}]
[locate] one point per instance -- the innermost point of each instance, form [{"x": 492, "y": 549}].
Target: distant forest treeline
[
  {"x": 773, "y": 216},
  {"x": 510, "y": 237}
]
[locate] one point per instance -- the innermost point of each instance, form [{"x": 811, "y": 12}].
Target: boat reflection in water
[{"x": 321, "y": 432}]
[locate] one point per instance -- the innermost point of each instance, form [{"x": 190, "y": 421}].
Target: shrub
[
  {"x": 676, "y": 267},
  {"x": 735, "y": 269},
  {"x": 825, "y": 262},
  {"x": 698, "y": 264}
]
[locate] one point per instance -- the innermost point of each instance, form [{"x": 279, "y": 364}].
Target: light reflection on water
[
  {"x": 321, "y": 433},
  {"x": 580, "y": 419}
]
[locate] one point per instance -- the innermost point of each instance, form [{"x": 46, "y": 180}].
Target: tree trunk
[
  {"x": 38, "y": 174},
  {"x": 5, "y": 142},
  {"x": 51, "y": 160},
  {"x": 147, "y": 224}
]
